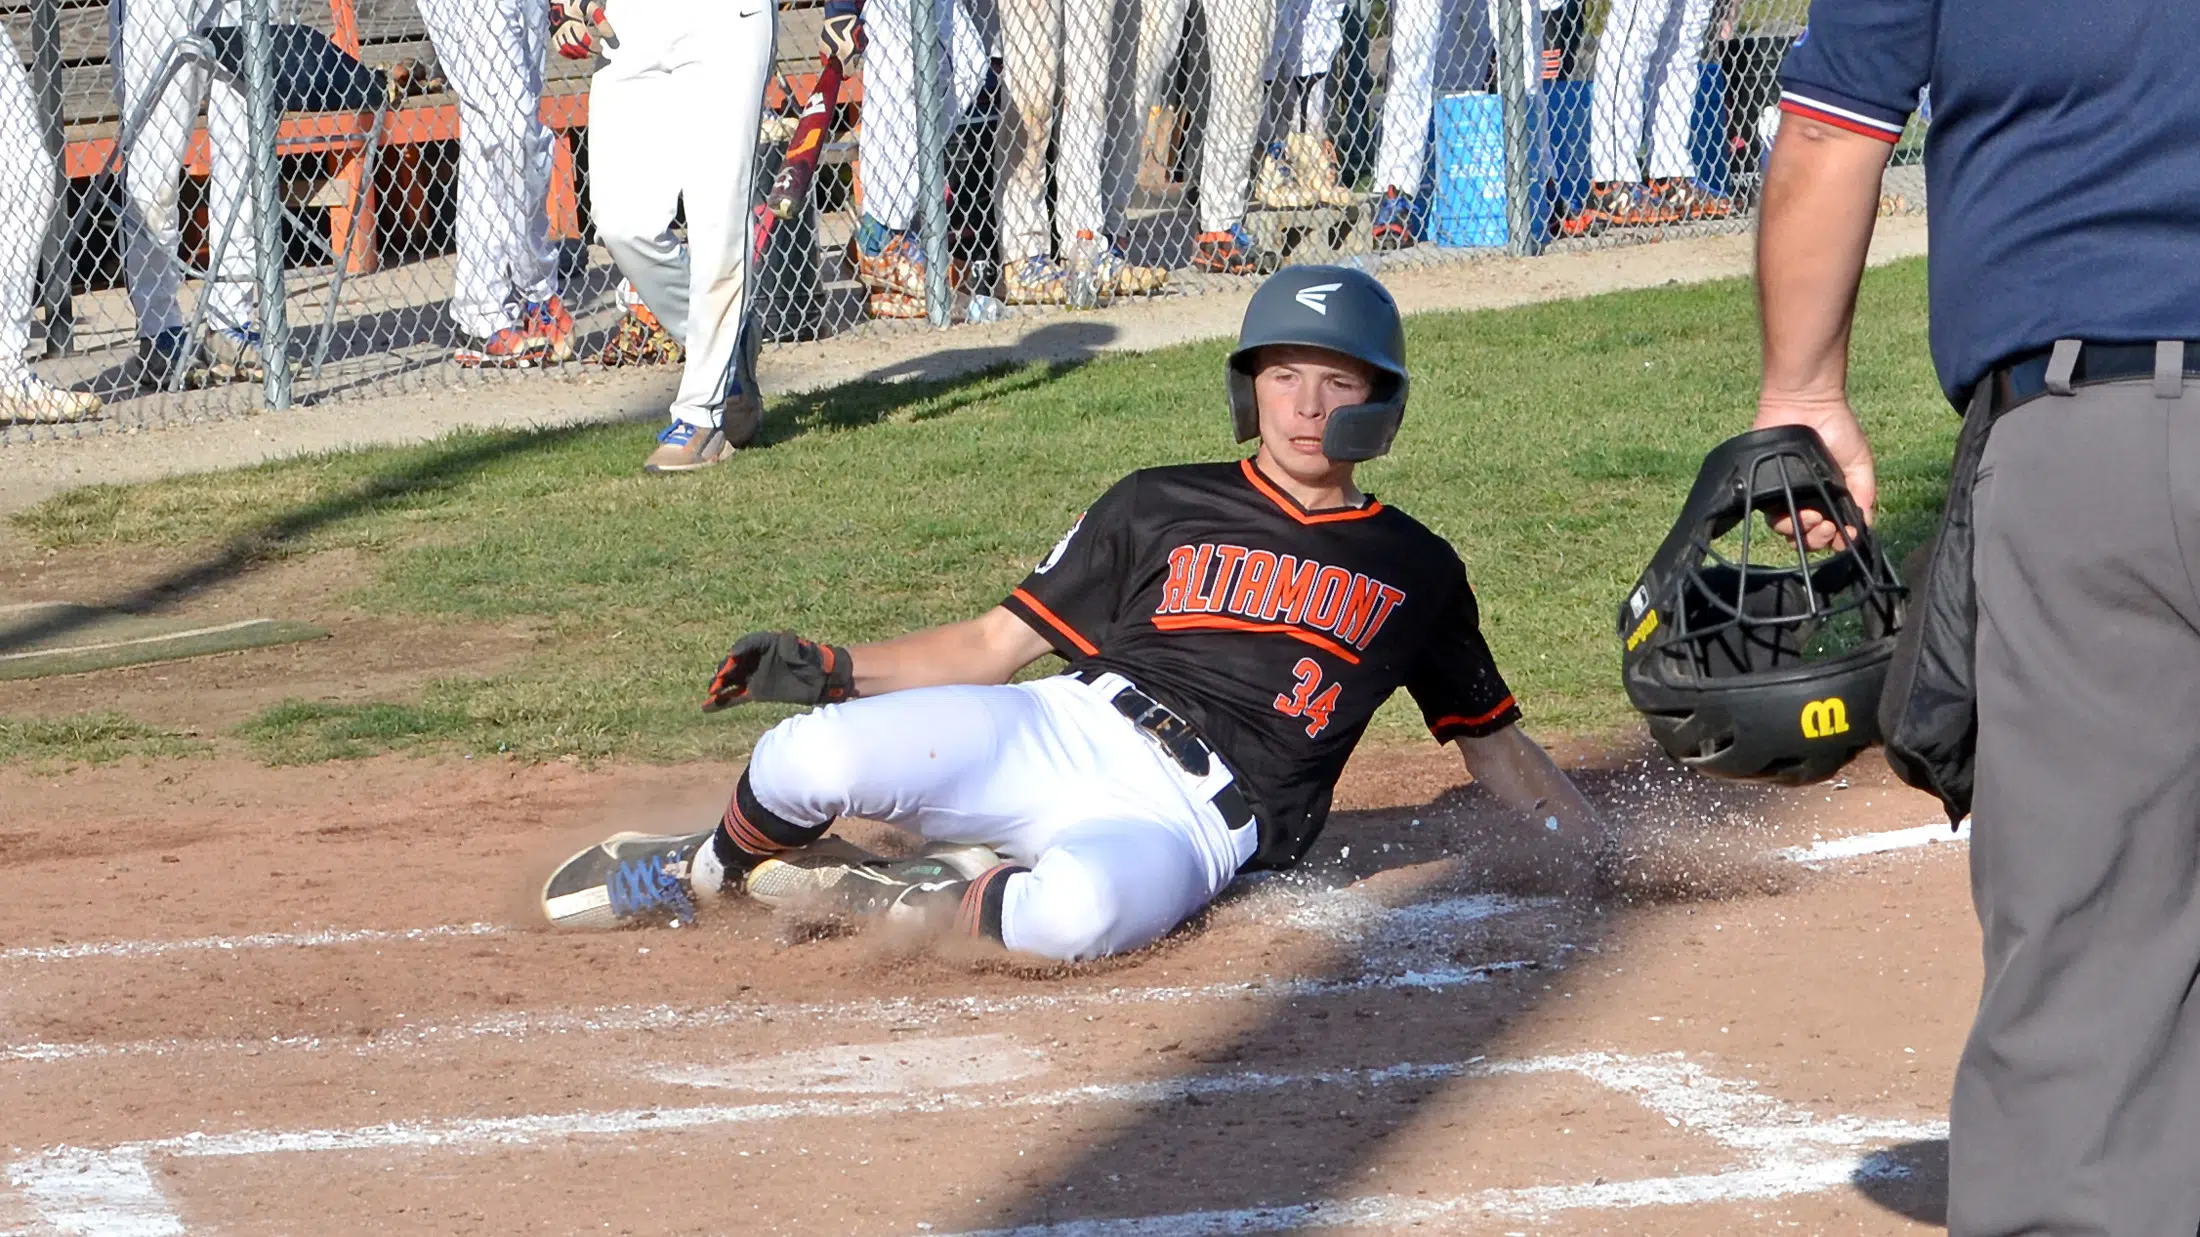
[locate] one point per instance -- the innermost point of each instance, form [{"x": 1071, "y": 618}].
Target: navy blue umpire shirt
[{"x": 2062, "y": 163}]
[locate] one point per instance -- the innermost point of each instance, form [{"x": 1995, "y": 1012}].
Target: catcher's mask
[
  {"x": 1751, "y": 656},
  {"x": 1341, "y": 309}
]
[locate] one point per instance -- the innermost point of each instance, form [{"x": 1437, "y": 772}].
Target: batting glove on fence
[
  {"x": 784, "y": 667},
  {"x": 572, "y": 25},
  {"x": 841, "y": 37}
]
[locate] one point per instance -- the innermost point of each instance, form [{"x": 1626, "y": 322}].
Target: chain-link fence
[{"x": 214, "y": 206}]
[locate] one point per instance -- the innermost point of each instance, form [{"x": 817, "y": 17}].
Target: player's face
[{"x": 1296, "y": 389}]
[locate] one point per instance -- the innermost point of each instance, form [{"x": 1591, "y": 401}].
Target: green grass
[
  {"x": 88, "y": 738},
  {"x": 1551, "y": 443}
]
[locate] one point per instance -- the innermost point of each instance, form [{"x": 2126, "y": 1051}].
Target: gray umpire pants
[{"x": 2077, "y": 1102}]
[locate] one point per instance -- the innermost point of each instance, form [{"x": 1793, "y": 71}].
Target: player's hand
[
  {"x": 841, "y": 37},
  {"x": 781, "y": 666},
  {"x": 1836, "y": 423},
  {"x": 572, "y": 25}
]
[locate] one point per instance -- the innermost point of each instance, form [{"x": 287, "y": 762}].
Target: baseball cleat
[
  {"x": 626, "y": 880},
  {"x": 1609, "y": 204},
  {"x": 549, "y": 320},
  {"x": 1681, "y": 200},
  {"x": 1232, "y": 252},
  {"x": 685, "y": 447},
  {"x": 1395, "y": 215},
  {"x": 640, "y": 339},
  {"x": 511, "y": 347},
  {"x": 835, "y": 878}
]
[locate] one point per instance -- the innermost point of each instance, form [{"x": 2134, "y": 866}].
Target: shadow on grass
[
  {"x": 431, "y": 471},
  {"x": 1289, "y": 1121},
  {"x": 941, "y": 383}
]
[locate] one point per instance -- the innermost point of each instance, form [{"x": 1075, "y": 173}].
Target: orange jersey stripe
[
  {"x": 1291, "y": 509},
  {"x": 1087, "y": 647},
  {"x": 1477, "y": 720},
  {"x": 1216, "y": 622}
]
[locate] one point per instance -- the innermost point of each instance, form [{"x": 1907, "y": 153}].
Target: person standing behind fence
[
  {"x": 1430, "y": 41},
  {"x": 504, "y": 294},
  {"x": 26, "y": 212},
  {"x": 1239, "y": 36},
  {"x": 143, "y": 36},
  {"x": 1298, "y": 165},
  {"x": 673, "y": 115},
  {"x": 1653, "y": 48},
  {"x": 890, "y": 257}
]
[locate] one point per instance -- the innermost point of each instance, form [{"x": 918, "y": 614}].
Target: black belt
[
  {"x": 2025, "y": 378},
  {"x": 1181, "y": 740}
]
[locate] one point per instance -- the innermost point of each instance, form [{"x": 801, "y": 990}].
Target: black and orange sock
[
  {"x": 750, "y": 833},
  {"x": 980, "y": 912}
]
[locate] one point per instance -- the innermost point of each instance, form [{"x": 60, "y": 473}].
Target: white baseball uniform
[
  {"x": 1240, "y": 34},
  {"x": 1440, "y": 45},
  {"x": 1056, "y": 68},
  {"x": 888, "y": 148},
  {"x": 491, "y": 50},
  {"x": 1308, "y": 35},
  {"x": 673, "y": 116},
  {"x": 142, "y": 35},
  {"x": 26, "y": 208},
  {"x": 1654, "y": 47}
]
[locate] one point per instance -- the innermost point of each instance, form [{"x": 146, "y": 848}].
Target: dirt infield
[{"x": 247, "y": 1000}]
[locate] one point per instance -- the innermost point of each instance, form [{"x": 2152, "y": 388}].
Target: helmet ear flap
[{"x": 1244, "y": 410}]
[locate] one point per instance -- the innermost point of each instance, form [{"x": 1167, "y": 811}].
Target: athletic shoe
[
  {"x": 1680, "y": 200},
  {"x": 161, "y": 358},
  {"x": 232, "y": 355},
  {"x": 31, "y": 400},
  {"x": 548, "y": 319},
  {"x": 1232, "y": 252},
  {"x": 845, "y": 880},
  {"x": 685, "y": 447},
  {"x": 640, "y": 339},
  {"x": 1037, "y": 280},
  {"x": 1397, "y": 217},
  {"x": 629, "y": 879},
  {"x": 1609, "y": 204},
  {"x": 512, "y": 347}
]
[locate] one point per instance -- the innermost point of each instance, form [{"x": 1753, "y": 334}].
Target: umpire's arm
[{"x": 990, "y": 648}]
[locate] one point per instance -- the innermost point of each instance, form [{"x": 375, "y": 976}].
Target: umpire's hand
[{"x": 784, "y": 667}]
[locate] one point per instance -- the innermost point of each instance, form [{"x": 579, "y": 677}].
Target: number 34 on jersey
[{"x": 1308, "y": 698}]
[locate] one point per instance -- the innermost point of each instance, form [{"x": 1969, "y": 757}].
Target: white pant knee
[
  {"x": 1065, "y": 909},
  {"x": 804, "y": 769}
]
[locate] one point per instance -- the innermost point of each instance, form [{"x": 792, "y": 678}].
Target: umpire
[{"x": 2059, "y": 614}]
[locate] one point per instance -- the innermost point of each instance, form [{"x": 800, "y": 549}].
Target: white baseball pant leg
[
  {"x": 1081, "y": 134},
  {"x": 26, "y": 208},
  {"x": 888, "y": 148},
  {"x": 1031, "y": 73},
  {"x": 672, "y": 62},
  {"x": 1238, "y": 35},
  {"x": 142, "y": 33},
  {"x": 1642, "y": 40},
  {"x": 1415, "y": 43},
  {"x": 492, "y": 52},
  {"x": 1122, "y": 844}
]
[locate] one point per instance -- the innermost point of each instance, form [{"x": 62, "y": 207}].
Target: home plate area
[{"x": 1764, "y": 1048}]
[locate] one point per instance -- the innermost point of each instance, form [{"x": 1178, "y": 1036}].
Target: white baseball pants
[
  {"x": 1123, "y": 844},
  {"x": 142, "y": 33},
  {"x": 1654, "y": 47},
  {"x": 492, "y": 52},
  {"x": 26, "y": 208},
  {"x": 673, "y": 118},
  {"x": 1417, "y": 46},
  {"x": 891, "y": 187},
  {"x": 1055, "y": 61},
  {"x": 1239, "y": 34}
]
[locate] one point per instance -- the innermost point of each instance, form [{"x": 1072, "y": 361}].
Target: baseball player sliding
[
  {"x": 664, "y": 60},
  {"x": 1230, "y": 629}
]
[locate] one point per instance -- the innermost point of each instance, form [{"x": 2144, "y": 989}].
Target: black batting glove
[
  {"x": 841, "y": 36},
  {"x": 781, "y": 666}
]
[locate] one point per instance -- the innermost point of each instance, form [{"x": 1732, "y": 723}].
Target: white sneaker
[{"x": 32, "y": 400}]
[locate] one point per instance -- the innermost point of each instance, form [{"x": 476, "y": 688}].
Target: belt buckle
[{"x": 1173, "y": 733}]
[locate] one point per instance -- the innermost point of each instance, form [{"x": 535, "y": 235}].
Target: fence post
[
  {"x": 267, "y": 201},
  {"x": 57, "y": 263},
  {"x": 931, "y": 160},
  {"x": 1513, "y": 68}
]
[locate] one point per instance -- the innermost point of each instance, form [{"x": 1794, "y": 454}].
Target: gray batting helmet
[{"x": 1343, "y": 310}]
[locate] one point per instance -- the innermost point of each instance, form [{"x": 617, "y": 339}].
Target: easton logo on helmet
[
  {"x": 1316, "y": 298},
  {"x": 1825, "y": 718}
]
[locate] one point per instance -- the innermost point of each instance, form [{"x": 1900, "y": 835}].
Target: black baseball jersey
[{"x": 1276, "y": 630}]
